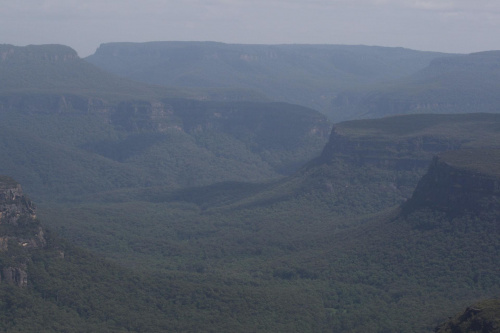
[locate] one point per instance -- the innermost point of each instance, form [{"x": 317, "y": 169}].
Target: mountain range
[
  {"x": 308, "y": 75},
  {"x": 343, "y": 82}
]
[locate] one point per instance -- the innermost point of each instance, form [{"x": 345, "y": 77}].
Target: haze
[{"x": 440, "y": 25}]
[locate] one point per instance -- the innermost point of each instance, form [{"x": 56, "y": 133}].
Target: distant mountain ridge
[
  {"x": 308, "y": 75},
  {"x": 452, "y": 84}
]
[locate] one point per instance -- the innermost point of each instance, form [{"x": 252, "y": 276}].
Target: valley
[{"x": 202, "y": 208}]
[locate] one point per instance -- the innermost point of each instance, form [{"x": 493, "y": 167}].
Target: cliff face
[
  {"x": 20, "y": 232},
  {"x": 459, "y": 181},
  {"x": 382, "y": 151}
]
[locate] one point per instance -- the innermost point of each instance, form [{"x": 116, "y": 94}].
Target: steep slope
[
  {"x": 308, "y": 75},
  {"x": 453, "y": 84},
  {"x": 460, "y": 181},
  {"x": 369, "y": 165},
  {"x": 19, "y": 233}
]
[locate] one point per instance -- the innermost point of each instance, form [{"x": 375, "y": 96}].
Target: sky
[{"x": 456, "y": 26}]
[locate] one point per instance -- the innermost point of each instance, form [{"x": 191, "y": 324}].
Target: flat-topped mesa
[
  {"x": 368, "y": 143},
  {"x": 42, "y": 53},
  {"x": 458, "y": 181}
]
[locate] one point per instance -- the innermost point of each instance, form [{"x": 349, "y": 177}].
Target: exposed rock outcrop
[
  {"x": 13, "y": 204},
  {"x": 20, "y": 231},
  {"x": 15, "y": 275},
  {"x": 483, "y": 317}
]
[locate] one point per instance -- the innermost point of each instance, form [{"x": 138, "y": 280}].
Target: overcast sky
[{"x": 460, "y": 26}]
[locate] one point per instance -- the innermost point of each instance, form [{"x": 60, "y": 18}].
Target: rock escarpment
[
  {"x": 20, "y": 232},
  {"x": 459, "y": 181},
  {"x": 395, "y": 152}
]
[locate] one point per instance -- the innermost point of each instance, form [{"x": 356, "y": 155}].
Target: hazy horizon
[{"x": 454, "y": 26}]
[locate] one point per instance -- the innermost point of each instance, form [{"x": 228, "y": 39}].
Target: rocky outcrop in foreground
[
  {"x": 20, "y": 231},
  {"x": 481, "y": 317}
]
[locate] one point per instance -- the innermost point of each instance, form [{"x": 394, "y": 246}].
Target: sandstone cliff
[{"x": 20, "y": 232}]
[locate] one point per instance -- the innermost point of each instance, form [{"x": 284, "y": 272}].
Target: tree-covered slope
[
  {"x": 309, "y": 75},
  {"x": 453, "y": 84},
  {"x": 49, "y": 285},
  {"x": 320, "y": 234},
  {"x": 402, "y": 270}
]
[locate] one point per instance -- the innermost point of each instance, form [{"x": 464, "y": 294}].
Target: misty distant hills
[
  {"x": 453, "y": 84},
  {"x": 57, "y": 69},
  {"x": 71, "y": 128},
  {"x": 309, "y": 75}
]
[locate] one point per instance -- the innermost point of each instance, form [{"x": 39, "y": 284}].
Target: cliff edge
[{"x": 459, "y": 181}]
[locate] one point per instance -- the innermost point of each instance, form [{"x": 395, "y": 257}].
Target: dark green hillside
[
  {"x": 367, "y": 166},
  {"x": 309, "y": 75},
  {"x": 53, "y": 170},
  {"x": 49, "y": 285},
  {"x": 401, "y": 270},
  {"x": 294, "y": 255},
  {"x": 175, "y": 143},
  {"x": 373, "y": 164},
  {"x": 453, "y": 84}
]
